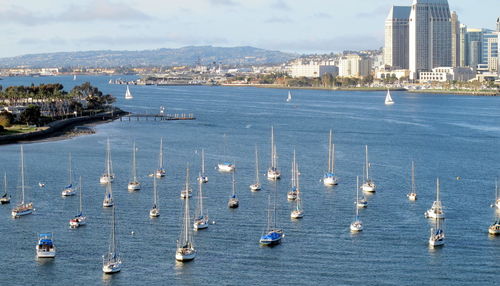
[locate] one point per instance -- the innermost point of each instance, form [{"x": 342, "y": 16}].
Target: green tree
[
  {"x": 31, "y": 115},
  {"x": 6, "y": 118}
]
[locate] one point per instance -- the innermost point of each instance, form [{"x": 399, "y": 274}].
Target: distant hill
[{"x": 160, "y": 57}]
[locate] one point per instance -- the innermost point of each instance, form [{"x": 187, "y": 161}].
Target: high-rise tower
[
  {"x": 455, "y": 40},
  {"x": 396, "y": 49}
]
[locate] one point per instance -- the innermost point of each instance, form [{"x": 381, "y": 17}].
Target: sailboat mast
[
  {"x": 154, "y": 192},
  {"x": 5, "y": 183},
  {"x": 186, "y": 220},
  {"x": 187, "y": 179},
  {"x": 366, "y": 163},
  {"x": 330, "y": 152},
  {"x": 70, "y": 171},
  {"x": 203, "y": 162},
  {"x": 234, "y": 182},
  {"x": 437, "y": 190},
  {"x": 134, "y": 171},
  {"x": 357, "y": 196},
  {"x": 81, "y": 194},
  {"x": 413, "y": 187},
  {"x": 108, "y": 159},
  {"x": 161, "y": 154},
  {"x": 294, "y": 175},
  {"x": 22, "y": 174},
  {"x": 273, "y": 149},
  {"x": 200, "y": 199},
  {"x": 113, "y": 239},
  {"x": 256, "y": 165},
  {"x": 333, "y": 158},
  {"x": 275, "y": 199}
]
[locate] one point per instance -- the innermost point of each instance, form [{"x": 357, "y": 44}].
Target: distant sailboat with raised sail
[
  {"x": 22, "y": 208},
  {"x": 256, "y": 186},
  {"x": 289, "y": 98},
  {"x": 108, "y": 175},
  {"x": 68, "y": 190},
  {"x": 187, "y": 191},
  {"x": 185, "y": 245},
  {"x": 388, "y": 98},
  {"x": 5, "y": 199},
  {"x": 357, "y": 224},
  {"x": 292, "y": 194},
  {"x": 436, "y": 211},
  {"x": 368, "y": 185},
  {"x": 273, "y": 173},
  {"x": 128, "y": 95},
  {"x": 412, "y": 196},
  {"x": 134, "y": 184},
  {"x": 160, "y": 172},
  {"x": 111, "y": 261},
  {"x": 79, "y": 219},
  {"x": 298, "y": 211},
  {"x": 330, "y": 179},
  {"x": 202, "y": 178},
  {"x": 233, "y": 200},
  {"x": 200, "y": 215},
  {"x": 155, "y": 210}
]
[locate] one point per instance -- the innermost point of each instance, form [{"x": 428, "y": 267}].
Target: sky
[{"x": 299, "y": 26}]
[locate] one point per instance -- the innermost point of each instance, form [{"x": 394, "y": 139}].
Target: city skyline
[{"x": 314, "y": 26}]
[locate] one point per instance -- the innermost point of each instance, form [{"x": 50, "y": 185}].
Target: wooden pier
[{"x": 158, "y": 116}]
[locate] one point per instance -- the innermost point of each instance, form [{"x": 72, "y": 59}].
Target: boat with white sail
[
  {"x": 200, "y": 214},
  {"x": 187, "y": 191},
  {"x": 111, "y": 261},
  {"x": 436, "y": 211},
  {"x": 388, "y": 98},
  {"x": 128, "y": 94},
  {"x": 5, "y": 198},
  {"x": 357, "y": 224},
  {"x": 412, "y": 195},
  {"x": 160, "y": 172},
  {"x": 272, "y": 234},
  {"x": 68, "y": 190},
  {"x": 202, "y": 178},
  {"x": 273, "y": 173},
  {"x": 185, "y": 244},
  {"x": 79, "y": 219},
  {"x": 45, "y": 247},
  {"x": 134, "y": 184},
  {"x": 233, "y": 201},
  {"x": 22, "y": 208},
  {"x": 292, "y": 194},
  {"x": 330, "y": 179},
  {"x": 368, "y": 184},
  {"x": 108, "y": 175},
  {"x": 289, "y": 98},
  {"x": 256, "y": 186},
  {"x": 155, "y": 210},
  {"x": 226, "y": 166}
]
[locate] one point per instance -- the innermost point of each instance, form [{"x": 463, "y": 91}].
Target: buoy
[
  {"x": 213, "y": 222},
  {"x": 458, "y": 178},
  {"x": 132, "y": 233}
]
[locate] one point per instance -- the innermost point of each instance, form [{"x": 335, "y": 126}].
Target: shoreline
[{"x": 60, "y": 129}]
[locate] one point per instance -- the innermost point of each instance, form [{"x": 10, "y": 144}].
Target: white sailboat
[
  {"x": 108, "y": 197},
  {"x": 494, "y": 228},
  {"x": 5, "y": 198},
  {"x": 128, "y": 95},
  {"x": 298, "y": 212},
  {"x": 155, "y": 210},
  {"x": 436, "y": 237},
  {"x": 108, "y": 175},
  {"x": 273, "y": 173},
  {"x": 226, "y": 166},
  {"x": 45, "y": 247},
  {"x": 185, "y": 245},
  {"x": 368, "y": 185},
  {"x": 292, "y": 194},
  {"x": 436, "y": 211},
  {"x": 160, "y": 172},
  {"x": 357, "y": 224},
  {"x": 79, "y": 219},
  {"x": 22, "y": 208},
  {"x": 412, "y": 196},
  {"x": 68, "y": 190},
  {"x": 74, "y": 77},
  {"x": 187, "y": 191},
  {"x": 111, "y": 261},
  {"x": 202, "y": 178},
  {"x": 134, "y": 184},
  {"x": 388, "y": 98},
  {"x": 233, "y": 202},
  {"x": 256, "y": 186},
  {"x": 200, "y": 215},
  {"x": 289, "y": 98},
  {"x": 330, "y": 179}
]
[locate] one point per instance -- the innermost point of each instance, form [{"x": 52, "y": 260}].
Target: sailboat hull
[
  {"x": 494, "y": 229},
  {"x": 68, "y": 193},
  {"x": 297, "y": 214},
  {"x": 433, "y": 214},
  {"x": 271, "y": 238},
  {"x": 200, "y": 224},
  {"x": 134, "y": 186},
  {"x": 203, "y": 179},
  {"x": 112, "y": 267},
  {"x": 255, "y": 187},
  {"x": 356, "y": 226},
  {"x": 183, "y": 256},
  {"x": 5, "y": 200},
  {"x": 104, "y": 179},
  {"x": 273, "y": 175},
  {"x": 368, "y": 187},
  {"x": 330, "y": 181},
  {"x": 22, "y": 210},
  {"x": 226, "y": 167}
]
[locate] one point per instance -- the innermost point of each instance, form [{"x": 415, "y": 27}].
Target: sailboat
[
  {"x": 160, "y": 172},
  {"x": 226, "y": 166},
  {"x": 437, "y": 235},
  {"x": 202, "y": 178},
  {"x": 298, "y": 212},
  {"x": 436, "y": 211},
  {"x": 272, "y": 234},
  {"x": 22, "y": 208},
  {"x": 330, "y": 179},
  {"x": 155, "y": 210},
  {"x": 200, "y": 217},
  {"x": 74, "y": 77},
  {"x": 357, "y": 224},
  {"x": 494, "y": 228},
  {"x": 412, "y": 196},
  {"x": 68, "y": 190},
  {"x": 187, "y": 191},
  {"x": 111, "y": 261},
  {"x": 79, "y": 219},
  {"x": 368, "y": 185},
  {"x": 388, "y": 98},
  {"x": 233, "y": 200},
  {"x": 108, "y": 175},
  {"x": 289, "y": 98},
  {"x": 5, "y": 199},
  {"x": 134, "y": 184},
  {"x": 256, "y": 186},
  {"x": 128, "y": 95},
  {"x": 497, "y": 196},
  {"x": 185, "y": 245},
  {"x": 273, "y": 173},
  {"x": 292, "y": 195},
  {"x": 361, "y": 202},
  {"x": 45, "y": 247}
]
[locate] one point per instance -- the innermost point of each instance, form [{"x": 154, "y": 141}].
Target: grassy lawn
[{"x": 17, "y": 129}]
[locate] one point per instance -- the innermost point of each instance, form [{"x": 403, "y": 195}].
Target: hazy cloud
[
  {"x": 278, "y": 20},
  {"x": 376, "y": 12},
  {"x": 224, "y": 3},
  {"x": 322, "y": 15},
  {"x": 280, "y": 5}
]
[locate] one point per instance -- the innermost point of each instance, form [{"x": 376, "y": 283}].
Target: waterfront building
[
  {"x": 489, "y": 51},
  {"x": 313, "y": 69},
  {"x": 385, "y": 73},
  {"x": 353, "y": 65},
  {"x": 463, "y": 46},
  {"x": 455, "y": 40},
  {"x": 443, "y": 74},
  {"x": 430, "y": 35},
  {"x": 396, "y": 47}
]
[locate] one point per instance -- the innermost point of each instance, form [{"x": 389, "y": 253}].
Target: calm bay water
[{"x": 447, "y": 136}]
